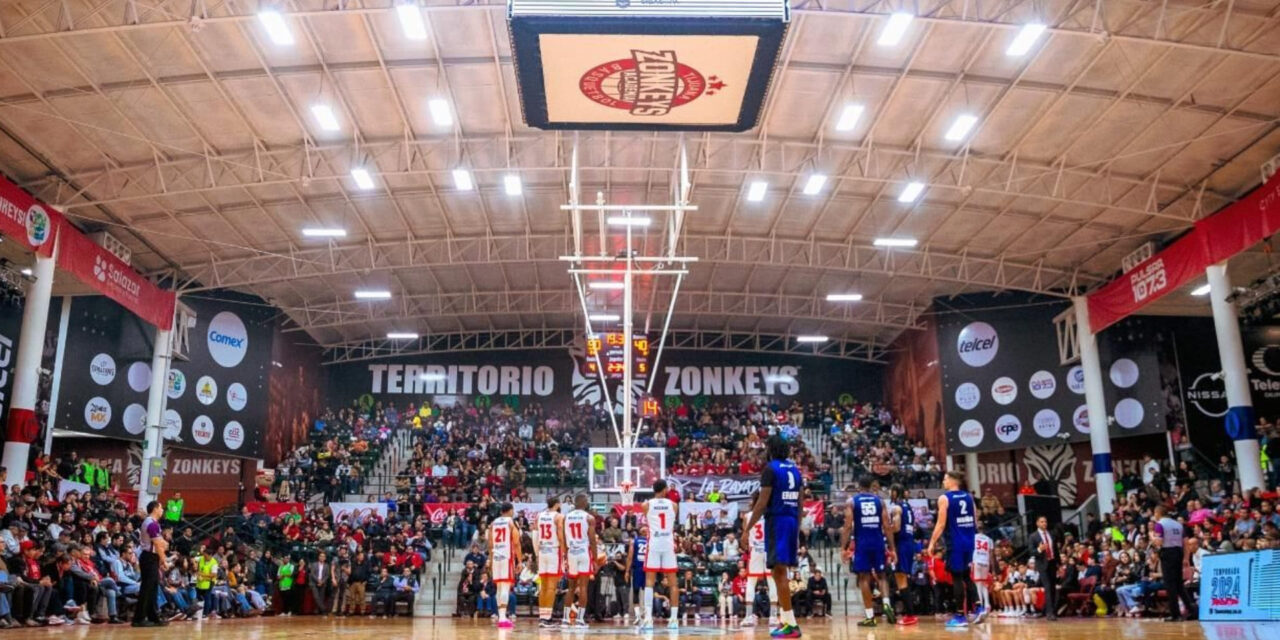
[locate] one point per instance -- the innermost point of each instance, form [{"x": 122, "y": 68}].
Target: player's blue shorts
[
  {"x": 781, "y": 541},
  {"x": 906, "y": 555},
  {"x": 868, "y": 557},
  {"x": 959, "y": 559}
]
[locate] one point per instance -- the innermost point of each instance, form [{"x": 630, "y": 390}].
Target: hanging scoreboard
[
  {"x": 608, "y": 350},
  {"x": 645, "y": 65}
]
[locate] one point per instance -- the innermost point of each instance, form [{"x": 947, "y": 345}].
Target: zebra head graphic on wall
[{"x": 1055, "y": 462}]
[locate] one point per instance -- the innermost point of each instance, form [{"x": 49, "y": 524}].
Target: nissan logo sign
[
  {"x": 1208, "y": 395},
  {"x": 977, "y": 344}
]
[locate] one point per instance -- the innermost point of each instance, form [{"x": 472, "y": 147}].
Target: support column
[
  {"x": 971, "y": 474},
  {"x": 153, "y": 445},
  {"x": 1095, "y": 401},
  {"x": 1241, "y": 424},
  {"x": 21, "y": 425}
]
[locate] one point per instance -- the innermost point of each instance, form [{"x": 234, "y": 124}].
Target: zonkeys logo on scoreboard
[{"x": 649, "y": 83}]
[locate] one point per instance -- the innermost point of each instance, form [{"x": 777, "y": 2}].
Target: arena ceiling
[{"x": 183, "y": 129}]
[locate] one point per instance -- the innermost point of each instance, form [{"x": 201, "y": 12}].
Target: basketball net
[{"x": 628, "y": 491}]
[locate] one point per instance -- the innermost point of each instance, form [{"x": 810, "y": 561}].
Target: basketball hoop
[{"x": 628, "y": 491}]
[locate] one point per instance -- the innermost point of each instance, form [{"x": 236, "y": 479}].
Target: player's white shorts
[
  {"x": 981, "y": 573},
  {"x": 504, "y": 569},
  {"x": 660, "y": 560},
  {"x": 549, "y": 563},
  {"x": 579, "y": 564},
  {"x": 756, "y": 565}
]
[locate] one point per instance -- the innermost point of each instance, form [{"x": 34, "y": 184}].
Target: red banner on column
[
  {"x": 1214, "y": 239},
  {"x": 35, "y": 226}
]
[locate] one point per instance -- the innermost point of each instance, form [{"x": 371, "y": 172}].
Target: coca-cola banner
[
  {"x": 1003, "y": 386},
  {"x": 37, "y": 227},
  {"x": 437, "y": 512},
  {"x": 356, "y": 513},
  {"x": 1214, "y": 239},
  {"x": 555, "y": 377},
  {"x": 732, "y": 487}
]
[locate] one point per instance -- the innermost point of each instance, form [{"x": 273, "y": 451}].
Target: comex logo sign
[
  {"x": 977, "y": 344},
  {"x": 228, "y": 339}
]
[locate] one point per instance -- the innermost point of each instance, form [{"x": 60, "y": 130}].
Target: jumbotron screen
[{"x": 610, "y": 347}]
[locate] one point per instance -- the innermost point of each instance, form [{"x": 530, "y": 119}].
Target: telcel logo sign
[{"x": 977, "y": 344}]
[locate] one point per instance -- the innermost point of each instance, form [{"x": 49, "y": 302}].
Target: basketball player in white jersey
[
  {"x": 757, "y": 570},
  {"x": 549, "y": 537},
  {"x": 982, "y": 573},
  {"x": 580, "y": 540},
  {"x": 504, "y": 558},
  {"x": 660, "y": 516}
]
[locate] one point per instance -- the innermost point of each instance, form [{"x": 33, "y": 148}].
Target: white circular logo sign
[
  {"x": 977, "y": 344},
  {"x": 139, "y": 376},
  {"x": 1046, "y": 423},
  {"x": 1080, "y": 419},
  {"x": 171, "y": 425},
  {"x": 228, "y": 339},
  {"x": 1004, "y": 390},
  {"x": 202, "y": 430},
  {"x": 971, "y": 433},
  {"x": 233, "y": 435},
  {"x": 206, "y": 390},
  {"x": 97, "y": 413},
  {"x": 967, "y": 396},
  {"x": 1129, "y": 413},
  {"x": 176, "y": 384},
  {"x": 102, "y": 369},
  {"x": 1042, "y": 384},
  {"x": 237, "y": 397},
  {"x": 1008, "y": 428},
  {"x": 135, "y": 418},
  {"x": 1075, "y": 380},
  {"x": 1124, "y": 373}
]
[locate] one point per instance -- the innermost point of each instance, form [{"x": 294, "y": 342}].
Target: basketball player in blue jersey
[
  {"x": 636, "y": 555},
  {"x": 957, "y": 518},
  {"x": 903, "y": 523},
  {"x": 780, "y": 487},
  {"x": 868, "y": 522}
]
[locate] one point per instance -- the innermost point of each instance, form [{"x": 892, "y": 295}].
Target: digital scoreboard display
[{"x": 610, "y": 349}]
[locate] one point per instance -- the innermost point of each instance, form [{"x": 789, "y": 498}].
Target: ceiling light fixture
[
  {"x": 441, "y": 114},
  {"x": 811, "y": 338},
  {"x": 910, "y": 192},
  {"x": 1025, "y": 39},
  {"x": 462, "y": 180},
  {"x": 411, "y": 22},
  {"x": 1202, "y": 290},
  {"x": 373, "y": 294},
  {"x": 844, "y": 297},
  {"x": 362, "y": 178},
  {"x": 629, "y": 221},
  {"x": 325, "y": 117},
  {"x": 895, "y": 242},
  {"x": 814, "y": 184},
  {"x": 605, "y": 285},
  {"x": 277, "y": 28},
  {"x": 849, "y": 117},
  {"x": 513, "y": 185},
  {"x": 604, "y": 317},
  {"x": 755, "y": 193},
  {"x": 961, "y": 127},
  {"x": 397, "y": 335},
  {"x": 324, "y": 232},
  {"x": 894, "y": 29}
]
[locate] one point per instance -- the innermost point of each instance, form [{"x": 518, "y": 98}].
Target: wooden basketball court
[{"x": 837, "y": 629}]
